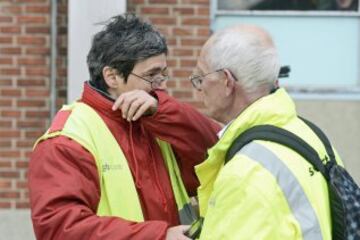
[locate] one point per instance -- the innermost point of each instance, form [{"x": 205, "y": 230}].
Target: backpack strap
[
  {"x": 325, "y": 141},
  {"x": 281, "y": 136}
]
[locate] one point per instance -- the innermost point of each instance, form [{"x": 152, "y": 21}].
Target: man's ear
[
  {"x": 229, "y": 82},
  {"x": 109, "y": 75}
]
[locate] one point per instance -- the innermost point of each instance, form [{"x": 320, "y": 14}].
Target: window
[{"x": 319, "y": 41}]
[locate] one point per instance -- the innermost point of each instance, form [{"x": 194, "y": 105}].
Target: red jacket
[{"x": 64, "y": 184}]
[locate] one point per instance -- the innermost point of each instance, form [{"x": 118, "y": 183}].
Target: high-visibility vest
[
  {"x": 264, "y": 172},
  {"x": 118, "y": 193}
]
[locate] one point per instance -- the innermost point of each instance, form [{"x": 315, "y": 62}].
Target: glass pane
[{"x": 292, "y": 5}]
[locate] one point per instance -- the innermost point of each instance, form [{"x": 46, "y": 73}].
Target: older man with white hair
[{"x": 266, "y": 190}]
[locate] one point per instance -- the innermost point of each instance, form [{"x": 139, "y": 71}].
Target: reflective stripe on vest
[
  {"x": 118, "y": 193},
  {"x": 290, "y": 186}
]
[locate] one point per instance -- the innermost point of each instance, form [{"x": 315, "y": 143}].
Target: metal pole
[{"x": 53, "y": 58}]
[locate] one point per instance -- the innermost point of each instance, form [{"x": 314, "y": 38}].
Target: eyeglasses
[
  {"x": 155, "y": 82},
  {"x": 196, "y": 80}
]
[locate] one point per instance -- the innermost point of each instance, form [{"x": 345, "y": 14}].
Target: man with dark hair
[{"x": 119, "y": 163}]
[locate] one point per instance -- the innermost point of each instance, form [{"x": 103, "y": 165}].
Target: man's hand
[
  {"x": 135, "y": 104},
  {"x": 177, "y": 233}
]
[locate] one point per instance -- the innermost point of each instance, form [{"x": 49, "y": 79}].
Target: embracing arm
[
  {"x": 189, "y": 132},
  {"x": 64, "y": 194}
]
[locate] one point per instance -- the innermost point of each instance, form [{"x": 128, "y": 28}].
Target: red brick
[
  {"x": 6, "y": 61},
  {"x": 186, "y": 84},
  {"x": 137, "y": 2},
  {"x": 187, "y": 63},
  {"x": 171, "y": 41},
  {"x": 31, "y": 82},
  {"x": 183, "y": 52},
  {"x": 11, "y": 29},
  {"x": 31, "y": 61},
  {"x": 9, "y": 154},
  {"x": 9, "y": 174},
  {"x": 37, "y": 9},
  {"x": 10, "y": 92},
  {"x": 4, "y": 123},
  {"x": 10, "y": 71},
  {"x": 204, "y": 11},
  {"x": 5, "y": 102},
  {"x": 192, "y": 42},
  {"x": 163, "y": 20},
  {"x": 9, "y": 133},
  {"x": 184, "y": 10},
  {"x": 21, "y": 184},
  {"x": 40, "y": 72},
  {"x": 31, "y": 40},
  {"x": 163, "y": 1},
  {"x": 5, "y": 164},
  {"x": 10, "y": 50},
  {"x": 155, "y": 10},
  {"x": 5, "y": 19},
  {"x": 193, "y": 2},
  {"x": 13, "y": 9},
  {"x": 171, "y": 84},
  {"x": 39, "y": 30},
  {"x": 4, "y": 40},
  {"x": 36, "y": 92},
  {"x": 22, "y": 164},
  {"x": 38, "y": 51},
  {"x": 196, "y": 21},
  {"x": 182, "y": 73},
  {"x": 183, "y": 31},
  {"x": 5, "y": 144},
  {"x": 32, "y": 1},
  {"x": 5, "y": 184},
  {"x": 10, "y": 114},
  {"x": 30, "y": 124},
  {"x": 5, "y": 82},
  {"x": 33, "y": 134},
  {"x": 22, "y": 205},
  {"x": 30, "y": 103},
  {"x": 37, "y": 114},
  {"x": 172, "y": 63},
  {"x": 9, "y": 194},
  {"x": 32, "y": 19},
  {"x": 203, "y": 32},
  {"x": 27, "y": 154},
  {"x": 4, "y": 205},
  {"x": 24, "y": 144}
]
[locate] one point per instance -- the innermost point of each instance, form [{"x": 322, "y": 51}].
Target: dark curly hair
[{"x": 125, "y": 40}]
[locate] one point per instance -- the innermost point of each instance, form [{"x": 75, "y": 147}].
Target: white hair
[{"x": 252, "y": 60}]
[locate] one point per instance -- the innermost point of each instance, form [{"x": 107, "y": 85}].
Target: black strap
[
  {"x": 325, "y": 141},
  {"x": 281, "y": 136}
]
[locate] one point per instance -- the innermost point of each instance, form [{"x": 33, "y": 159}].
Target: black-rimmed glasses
[
  {"x": 155, "y": 82},
  {"x": 196, "y": 80}
]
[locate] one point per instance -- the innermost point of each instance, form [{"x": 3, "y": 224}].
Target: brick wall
[
  {"x": 24, "y": 88},
  {"x": 185, "y": 23},
  {"x": 25, "y": 72}
]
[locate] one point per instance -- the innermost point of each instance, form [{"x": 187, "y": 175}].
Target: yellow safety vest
[
  {"x": 118, "y": 193},
  {"x": 267, "y": 191}
]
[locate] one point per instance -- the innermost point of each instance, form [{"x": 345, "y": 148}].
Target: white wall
[{"x": 83, "y": 16}]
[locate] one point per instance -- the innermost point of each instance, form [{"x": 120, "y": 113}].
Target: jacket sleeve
[
  {"x": 242, "y": 208},
  {"x": 64, "y": 194},
  {"x": 188, "y": 131}
]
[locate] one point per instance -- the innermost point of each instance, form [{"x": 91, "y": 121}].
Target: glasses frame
[
  {"x": 154, "y": 84},
  {"x": 196, "y": 80}
]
